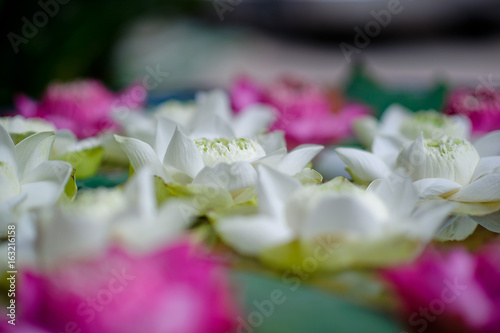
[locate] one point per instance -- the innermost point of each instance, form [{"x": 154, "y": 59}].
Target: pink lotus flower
[
  {"x": 177, "y": 289},
  {"x": 481, "y": 106},
  {"x": 306, "y": 113},
  {"x": 83, "y": 106},
  {"x": 451, "y": 292}
]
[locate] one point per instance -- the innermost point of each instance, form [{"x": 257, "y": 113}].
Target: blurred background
[{"x": 204, "y": 44}]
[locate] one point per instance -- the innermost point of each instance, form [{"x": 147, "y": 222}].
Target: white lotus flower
[
  {"x": 224, "y": 162},
  {"x": 102, "y": 217},
  {"x": 402, "y": 125},
  {"x": 20, "y": 125},
  {"x": 446, "y": 168},
  {"x": 27, "y": 179},
  {"x": 209, "y": 117},
  {"x": 379, "y": 226}
]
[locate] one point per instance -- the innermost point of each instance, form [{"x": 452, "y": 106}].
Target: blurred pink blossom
[
  {"x": 306, "y": 112},
  {"x": 451, "y": 292},
  {"x": 482, "y": 106},
  {"x": 175, "y": 290},
  {"x": 83, "y": 106}
]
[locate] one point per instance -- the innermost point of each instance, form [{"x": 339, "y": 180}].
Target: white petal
[
  {"x": 213, "y": 127},
  {"x": 141, "y": 154},
  {"x": 363, "y": 166},
  {"x": 343, "y": 216},
  {"x": 231, "y": 177},
  {"x": 433, "y": 187},
  {"x": 252, "y": 120},
  {"x": 457, "y": 228},
  {"x": 140, "y": 193},
  {"x": 330, "y": 165},
  {"x": 274, "y": 188},
  {"x": 398, "y": 193},
  {"x": 183, "y": 155},
  {"x": 486, "y": 166},
  {"x": 392, "y": 118},
  {"x": 32, "y": 151},
  {"x": 7, "y": 150},
  {"x": 212, "y": 103},
  {"x": 9, "y": 184},
  {"x": 387, "y": 148},
  {"x": 485, "y": 189},
  {"x": 165, "y": 129},
  {"x": 429, "y": 217},
  {"x": 465, "y": 124},
  {"x": 250, "y": 235},
  {"x": 63, "y": 236},
  {"x": 296, "y": 160},
  {"x": 272, "y": 142},
  {"x": 147, "y": 235},
  {"x": 45, "y": 184},
  {"x": 488, "y": 145},
  {"x": 490, "y": 222},
  {"x": 365, "y": 129}
]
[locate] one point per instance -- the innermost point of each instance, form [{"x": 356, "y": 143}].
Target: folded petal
[
  {"x": 9, "y": 184},
  {"x": 392, "y": 118},
  {"x": 7, "y": 150},
  {"x": 45, "y": 184},
  {"x": 32, "y": 151},
  {"x": 387, "y": 148},
  {"x": 141, "y": 154},
  {"x": 274, "y": 188},
  {"x": 476, "y": 208},
  {"x": 141, "y": 194},
  {"x": 165, "y": 129},
  {"x": 296, "y": 160},
  {"x": 183, "y": 155},
  {"x": 250, "y": 235},
  {"x": 398, "y": 193},
  {"x": 272, "y": 142},
  {"x": 212, "y": 128},
  {"x": 490, "y": 221},
  {"x": 486, "y": 166},
  {"x": 485, "y": 189},
  {"x": 363, "y": 166},
  {"x": 428, "y": 218},
  {"x": 488, "y": 145},
  {"x": 434, "y": 187},
  {"x": 342, "y": 216},
  {"x": 457, "y": 228},
  {"x": 231, "y": 177},
  {"x": 252, "y": 120}
]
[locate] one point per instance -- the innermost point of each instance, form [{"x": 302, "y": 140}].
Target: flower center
[
  {"x": 449, "y": 158},
  {"x": 222, "y": 150},
  {"x": 433, "y": 125}
]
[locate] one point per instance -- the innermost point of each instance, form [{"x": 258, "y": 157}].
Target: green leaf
[
  {"x": 204, "y": 198},
  {"x": 287, "y": 304},
  {"x": 362, "y": 87},
  {"x": 70, "y": 189},
  {"x": 86, "y": 162}
]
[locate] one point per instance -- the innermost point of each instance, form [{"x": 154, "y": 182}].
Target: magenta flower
[
  {"x": 451, "y": 292},
  {"x": 82, "y": 106},
  {"x": 482, "y": 106},
  {"x": 175, "y": 290},
  {"x": 306, "y": 113}
]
